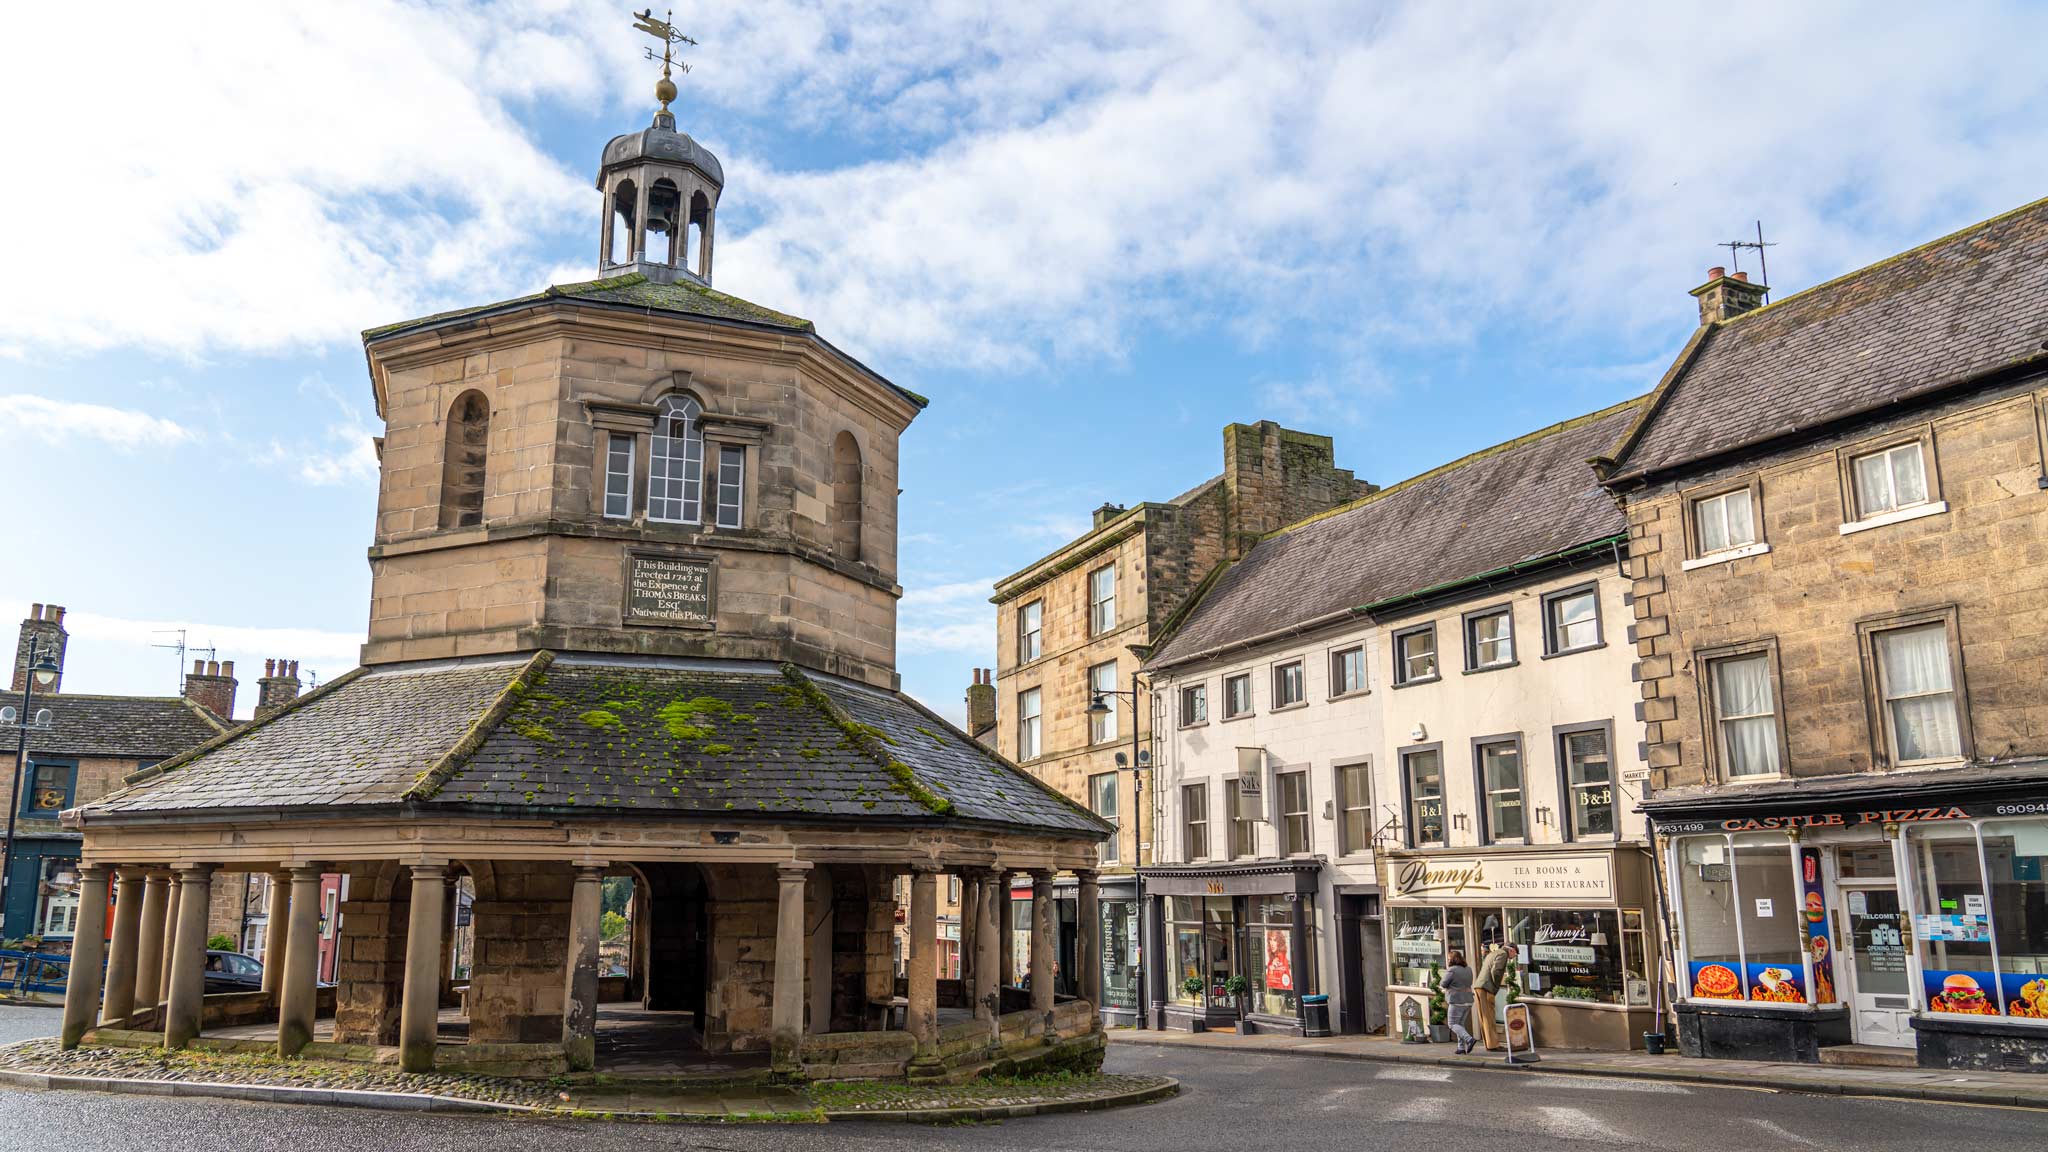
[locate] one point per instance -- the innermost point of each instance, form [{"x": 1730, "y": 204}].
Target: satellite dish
[
  {"x": 44, "y": 717},
  {"x": 7, "y": 714}
]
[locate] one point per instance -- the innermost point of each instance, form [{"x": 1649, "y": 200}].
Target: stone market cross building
[{"x": 632, "y": 613}]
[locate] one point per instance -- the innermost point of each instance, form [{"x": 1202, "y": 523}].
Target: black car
[{"x": 233, "y": 972}]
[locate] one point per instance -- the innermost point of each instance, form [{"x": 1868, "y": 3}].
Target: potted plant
[
  {"x": 1237, "y": 986},
  {"x": 1439, "y": 1007},
  {"x": 1192, "y": 986}
]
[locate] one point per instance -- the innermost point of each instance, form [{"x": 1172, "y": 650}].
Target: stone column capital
[
  {"x": 591, "y": 873},
  {"x": 1041, "y": 875},
  {"x": 195, "y": 873},
  {"x": 95, "y": 871},
  {"x": 312, "y": 872},
  {"x": 793, "y": 871},
  {"x": 421, "y": 872},
  {"x": 926, "y": 867},
  {"x": 1087, "y": 875}
]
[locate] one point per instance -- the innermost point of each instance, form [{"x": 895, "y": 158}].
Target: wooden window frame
[
  {"x": 1089, "y": 592},
  {"x": 1343, "y": 799},
  {"x": 1465, "y": 623},
  {"x": 1300, "y": 668},
  {"x": 1188, "y": 824},
  {"x": 1482, "y": 794},
  {"x": 1692, "y": 498},
  {"x": 1717, "y": 756},
  {"x": 1565, "y": 808},
  {"x": 1251, "y": 706},
  {"x": 1436, "y": 650},
  {"x": 1234, "y": 819},
  {"x": 1550, "y": 600},
  {"x": 1364, "y": 672},
  {"x": 1306, "y": 814},
  {"x": 1109, "y": 734},
  {"x": 1408, "y": 822},
  {"x": 1023, "y": 611},
  {"x": 1036, "y": 691},
  {"x": 1930, "y": 464},
  {"x": 1881, "y": 751},
  {"x": 1188, "y": 691}
]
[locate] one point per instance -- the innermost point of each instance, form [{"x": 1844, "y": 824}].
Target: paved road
[
  {"x": 20, "y": 1022},
  {"x": 1232, "y": 1101}
]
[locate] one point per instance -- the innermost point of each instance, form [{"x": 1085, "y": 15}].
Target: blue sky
[{"x": 1092, "y": 234}]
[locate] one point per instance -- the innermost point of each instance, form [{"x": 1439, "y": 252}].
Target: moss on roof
[{"x": 684, "y": 297}]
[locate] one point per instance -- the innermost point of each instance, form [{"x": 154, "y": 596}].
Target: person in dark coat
[{"x": 1457, "y": 986}]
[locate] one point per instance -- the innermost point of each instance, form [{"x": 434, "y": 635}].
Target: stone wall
[
  {"x": 518, "y": 982},
  {"x": 1986, "y": 558},
  {"x": 738, "y": 1008},
  {"x": 1274, "y": 476},
  {"x": 371, "y": 969}
]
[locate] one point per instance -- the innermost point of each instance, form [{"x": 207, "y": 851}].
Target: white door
[{"x": 1879, "y": 1003}]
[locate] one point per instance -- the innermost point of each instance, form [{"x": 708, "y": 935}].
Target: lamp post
[
  {"x": 1097, "y": 706},
  {"x": 42, "y": 672}
]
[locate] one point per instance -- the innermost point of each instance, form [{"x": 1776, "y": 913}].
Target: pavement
[
  {"x": 1230, "y": 1100},
  {"x": 2007, "y": 1089}
]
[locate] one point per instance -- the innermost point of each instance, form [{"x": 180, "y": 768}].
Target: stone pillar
[
  {"x": 640, "y": 193},
  {"x": 970, "y": 924},
  {"x": 188, "y": 956},
  {"x": 149, "y": 940},
  {"x": 988, "y": 1003},
  {"x": 579, "y": 998},
  {"x": 172, "y": 902},
  {"x": 1088, "y": 938},
  {"x": 420, "y": 1009},
  {"x": 1006, "y": 936},
  {"x": 298, "y": 985},
  {"x": 704, "y": 245},
  {"x": 88, "y": 951},
  {"x": 922, "y": 1017},
  {"x": 1044, "y": 931},
  {"x": 123, "y": 953},
  {"x": 786, "y": 1003},
  {"x": 276, "y": 942}
]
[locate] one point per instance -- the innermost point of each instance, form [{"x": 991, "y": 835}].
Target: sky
[{"x": 1093, "y": 234}]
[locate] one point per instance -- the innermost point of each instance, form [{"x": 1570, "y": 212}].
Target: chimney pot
[
  {"x": 1742, "y": 276},
  {"x": 56, "y": 614},
  {"x": 1716, "y": 272},
  {"x": 227, "y": 668},
  {"x": 295, "y": 668},
  {"x": 35, "y": 611},
  {"x": 270, "y": 667},
  {"x": 199, "y": 667}
]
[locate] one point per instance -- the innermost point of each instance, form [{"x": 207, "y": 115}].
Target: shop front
[
  {"x": 1238, "y": 947},
  {"x": 1907, "y": 910},
  {"x": 1581, "y": 921},
  {"x": 1122, "y": 955}
]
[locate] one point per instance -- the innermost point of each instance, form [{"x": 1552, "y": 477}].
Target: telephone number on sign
[{"x": 2022, "y": 809}]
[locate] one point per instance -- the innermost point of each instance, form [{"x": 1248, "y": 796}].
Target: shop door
[{"x": 1878, "y": 998}]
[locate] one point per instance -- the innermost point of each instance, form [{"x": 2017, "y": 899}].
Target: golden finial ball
[{"x": 664, "y": 90}]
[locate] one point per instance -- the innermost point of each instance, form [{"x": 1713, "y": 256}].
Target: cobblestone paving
[{"x": 1001, "y": 1092}]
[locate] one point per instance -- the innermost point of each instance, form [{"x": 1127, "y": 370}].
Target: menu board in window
[{"x": 1575, "y": 956}]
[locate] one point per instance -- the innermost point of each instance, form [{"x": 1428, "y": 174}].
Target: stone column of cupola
[
  {"x": 640, "y": 197},
  {"x": 704, "y": 246}
]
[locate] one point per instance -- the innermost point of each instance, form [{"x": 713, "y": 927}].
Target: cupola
[{"x": 660, "y": 199}]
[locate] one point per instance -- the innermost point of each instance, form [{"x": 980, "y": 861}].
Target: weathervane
[{"x": 665, "y": 32}]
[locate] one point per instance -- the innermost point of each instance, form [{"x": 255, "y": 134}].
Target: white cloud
[
  {"x": 57, "y": 421},
  {"x": 346, "y": 453},
  {"x": 954, "y": 617}
]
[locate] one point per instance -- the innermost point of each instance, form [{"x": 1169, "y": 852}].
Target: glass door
[{"x": 1878, "y": 995}]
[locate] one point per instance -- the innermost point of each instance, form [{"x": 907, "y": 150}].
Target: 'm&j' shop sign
[{"x": 1519, "y": 877}]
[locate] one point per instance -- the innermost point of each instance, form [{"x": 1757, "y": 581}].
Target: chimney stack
[
  {"x": 278, "y": 687},
  {"x": 1724, "y": 297},
  {"x": 44, "y": 627},
  {"x": 211, "y": 685},
  {"x": 981, "y": 702}
]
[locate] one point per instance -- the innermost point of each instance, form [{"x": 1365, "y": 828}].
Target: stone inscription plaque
[{"x": 671, "y": 590}]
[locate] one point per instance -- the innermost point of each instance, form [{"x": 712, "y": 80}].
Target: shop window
[
  {"x": 1500, "y": 782},
  {"x": 1586, "y": 766},
  {"x": 1120, "y": 971},
  {"x": 1237, "y": 695},
  {"x": 49, "y": 788},
  {"x": 1706, "y": 898},
  {"x": 1490, "y": 639},
  {"x": 1745, "y": 715},
  {"x": 57, "y": 891},
  {"x": 1347, "y": 671},
  {"x": 1194, "y": 705},
  {"x": 1415, "y": 655},
  {"x": 1194, "y": 820},
  {"x": 1773, "y": 928},
  {"x": 1102, "y": 800},
  {"x": 1274, "y": 984},
  {"x": 1742, "y": 907},
  {"x": 1574, "y": 955},
  {"x": 1980, "y": 918},
  {"x": 1422, "y": 778},
  {"x": 1354, "y": 808},
  {"x": 1418, "y": 943},
  {"x": 2015, "y": 853},
  {"x": 1027, "y": 724},
  {"x": 1289, "y": 685},
  {"x": 1030, "y": 619},
  {"x": 1916, "y": 691},
  {"x": 1102, "y": 726},
  {"x": 1244, "y": 835},
  {"x": 1571, "y": 621},
  {"x": 618, "y": 476},
  {"x": 1294, "y": 838}
]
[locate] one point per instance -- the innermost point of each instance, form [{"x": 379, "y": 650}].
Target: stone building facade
[
  {"x": 1072, "y": 628},
  {"x": 1838, "y": 518}
]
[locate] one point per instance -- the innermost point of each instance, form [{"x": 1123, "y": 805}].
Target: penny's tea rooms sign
[{"x": 1545, "y": 876}]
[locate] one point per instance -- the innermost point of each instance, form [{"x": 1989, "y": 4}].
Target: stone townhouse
[
  {"x": 632, "y": 613},
  {"x": 93, "y": 744},
  {"x": 1070, "y": 632},
  {"x": 1404, "y": 728},
  {"x": 1838, "y": 511}
]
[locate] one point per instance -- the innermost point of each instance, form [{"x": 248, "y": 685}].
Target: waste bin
[{"x": 1315, "y": 1015}]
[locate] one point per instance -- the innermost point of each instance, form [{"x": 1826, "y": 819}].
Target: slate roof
[
  {"x": 580, "y": 735},
  {"x": 1528, "y": 499},
  {"x": 123, "y": 727},
  {"x": 1928, "y": 318}
]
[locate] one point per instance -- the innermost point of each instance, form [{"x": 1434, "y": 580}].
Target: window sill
[
  {"x": 1726, "y": 555},
  {"x": 1196, "y": 724},
  {"x": 1574, "y": 651},
  {"x": 1351, "y": 695},
  {"x": 1239, "y": 716},
  {"x": 1896, "y": 516},
  {"x": 1418, "y": 681},
  {"x": 1516, "y": 663},
  {"x": 1294, "y": 707}
]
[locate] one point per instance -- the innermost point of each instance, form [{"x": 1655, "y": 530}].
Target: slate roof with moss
[
  {"x": 1526, "y": 501},
  {"x": 1945, "y": 313},
  {"x": 697, "y": 739}
]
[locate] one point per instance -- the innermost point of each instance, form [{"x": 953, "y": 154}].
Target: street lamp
[
  {"x": 1099, "y": 706},
  {"x": 42, "y": 672}
]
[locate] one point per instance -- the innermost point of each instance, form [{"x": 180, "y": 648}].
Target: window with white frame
[
  {"x": 675, "y": 462},
  {"x": 1030, "y": 620},
  {"x": 732, "y": 477},
  {"x": 1745, "y": 715},
  {"x": 1571, "y": 620},
  {"x": 618, "y": 476},
  {"x": 1415, "y": 655},
  {"x": 1917, "y": 687},
  {"x": 1422, "y": 777},
  {"x": 1102, "y": 600},
  {"x": 1588, "y": 782},
  {"x": 1027, "y": 724},
  {"x": 1289, "y": 686},
  {"x": 1102, "y": 794},
  {"x": 1347, "y": 670},
  {"x": 1194, "y": 820},
  {"x": 1490, "y": 639},
  {"x": 1194, "y": 705},
  {"x": 1890, "y": 480},
  {"x": 1237, "y": 695},
  {"x": 1294, "y": 840},
  {"x": 1244, "y": 835},
  {"x": 1500, "y": 774},
  {"x": 1723, "y": 522},
  {"x": 1354, "y": 808},
  {"x": 1102, "y": 690},
  {"x": 57, "y": 897}
]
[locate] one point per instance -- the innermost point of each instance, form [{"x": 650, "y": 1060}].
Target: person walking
[
  {"x": 1457, "y": 986},
  {"x": 1493, "y": 972}
]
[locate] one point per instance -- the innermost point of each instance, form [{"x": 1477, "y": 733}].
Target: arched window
[
  {"x": 846, "y": 497},
  {"x": 462, "y": 461},
  {"x": 675, "y": 467}
]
